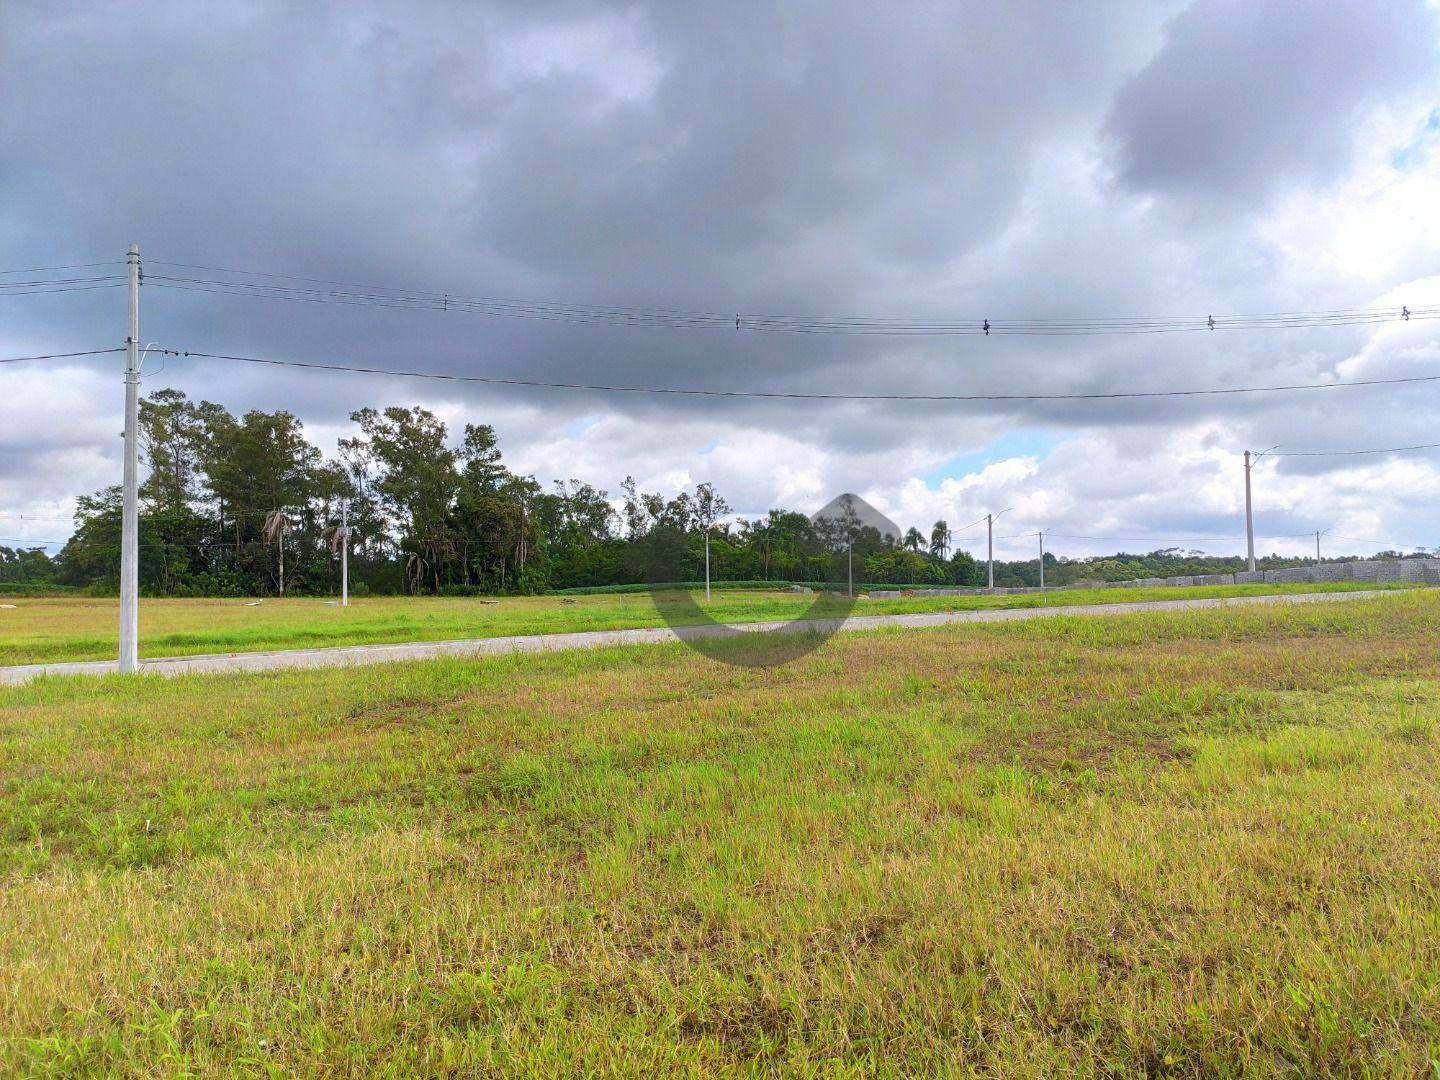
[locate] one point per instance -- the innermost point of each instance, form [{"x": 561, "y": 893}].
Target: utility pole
[
  {"x": 1041, "y": 535},
  {"x": 344, "y": 552},
  {"x": 707, "y": 562},
  {"x": 990, "y": 545},
  {"x": 1317, "y": 547},
  {"x": 1250, "y": 460},
  {"x": 524, "y": 543},
  {"x": 850, "y": 569},
  {"x": 990, "y": 551},
  {"x": 129, "y": 659},
  {"x": 1249, "y": 520}
]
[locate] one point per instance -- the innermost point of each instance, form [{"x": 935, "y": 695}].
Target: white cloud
[{"x": 940, "y": 163}]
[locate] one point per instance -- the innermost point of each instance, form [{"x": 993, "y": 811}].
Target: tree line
[{"x": 247, "y": 505}]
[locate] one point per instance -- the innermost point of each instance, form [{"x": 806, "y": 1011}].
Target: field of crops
[
  {"x": 55, "y": 629},
  {"x": 1199, "y": 843}
]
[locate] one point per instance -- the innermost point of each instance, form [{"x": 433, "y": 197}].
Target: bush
[
  {"x": 753, "y": 583},
  {"x": 36, "y": 588}
]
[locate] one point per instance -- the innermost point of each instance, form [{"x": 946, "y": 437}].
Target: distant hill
[{"x": 843, "y": 506}]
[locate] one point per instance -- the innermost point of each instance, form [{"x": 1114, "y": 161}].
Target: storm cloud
[{"x": 920, "y": 160}]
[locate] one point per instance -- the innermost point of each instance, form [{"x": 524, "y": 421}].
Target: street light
[
  {"x": 1250, "y": 459},
  {"x": 990, "y": 546}
]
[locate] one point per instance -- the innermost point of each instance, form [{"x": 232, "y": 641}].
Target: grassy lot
[
  {"x": 1199, "y": 843},
  {"x": 64, "y": 628}
]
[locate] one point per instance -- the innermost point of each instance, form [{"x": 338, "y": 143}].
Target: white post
[
  {"x": 707, "y": 562},
  {"x": 1041, "y": 535},
  {"x": 282, "y": 562},
  {"x": 344, "y": 552},
  {"x": 1317, "y": 547},
  {"x": 850, "y": 568},
  {"x": 130, "y": 513},
  {"x": 990, "y": 550},
  {"x": 1249, "y": 519}
]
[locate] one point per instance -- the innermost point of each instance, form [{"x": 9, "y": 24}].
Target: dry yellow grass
[{"x": 1188, "y": 844}]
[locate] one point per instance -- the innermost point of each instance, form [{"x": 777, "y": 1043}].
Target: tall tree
[
  {"x": 583, "y": 514},
  {"x": 940, "y": 540},
  {"x": 172, "y": 441},
  {"x": 254, "y": 466},
  {"x": 416, "y": 482}
]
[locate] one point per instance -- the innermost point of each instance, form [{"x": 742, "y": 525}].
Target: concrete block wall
[{"x": 1426, "y": 571}]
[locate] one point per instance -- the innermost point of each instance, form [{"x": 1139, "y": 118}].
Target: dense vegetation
[
  {"x": 1159, "y": 845},
  {"x": 248, "y": 506}
]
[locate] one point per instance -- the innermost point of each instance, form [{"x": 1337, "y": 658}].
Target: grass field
[
  {"x": 41, "y": 630},
  {"x": 1199, "y": 843}
]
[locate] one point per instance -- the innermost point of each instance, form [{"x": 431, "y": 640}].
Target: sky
[{"x": 923, "y": 161}]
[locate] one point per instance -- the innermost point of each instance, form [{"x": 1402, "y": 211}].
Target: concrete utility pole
[
  {"x": 129, "y": 659},
  {"x": 1249, "y": 520},
  {"x": 990, "y": 546},
  {"x": 1041, "y": 535},
  {"x": 1250, "y": 460},
  {"x": 707, "y": 562},
  {"x": 1317, "y": 547},
  {"x": 344, "y": 552},
  {"x": 989, "y": 551}
]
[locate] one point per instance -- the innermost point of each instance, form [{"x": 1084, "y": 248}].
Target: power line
[
  {"x": 789, "y": 395},
  {"x": 1174, "y": 539},
  {"x": 1380, "y": 543},
  {"x": 350, "y": 293},
  {"x": 56, "y": 281},
  {"x": 67, "y": 266},
  {"x": 1355, "y": 453},
  {"x": 61, "y": 356},
  {"x": 62, "y": 289}
]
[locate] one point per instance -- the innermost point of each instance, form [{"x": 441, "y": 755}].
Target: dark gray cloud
[
  {"x": 915, "y": 159},
  {"x": 1247, "y": 96}
]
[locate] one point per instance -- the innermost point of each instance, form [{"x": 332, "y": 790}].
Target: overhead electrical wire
[
  {"x": 1175, "y": 539},
  {"x": 48, "y": 285},
  {"x": 62, "y": 355},
  {"x": 1353, "y": 453},
  {"x": 59, "y": 281},
  {"x": 66, "y": 266},
  {"x": 46, "y": 291},
  {"x": 350, "y": 293},
  {"x": 496, "y": 380}
]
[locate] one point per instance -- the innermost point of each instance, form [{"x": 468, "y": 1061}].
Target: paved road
[{"x": 345, "y": 655}]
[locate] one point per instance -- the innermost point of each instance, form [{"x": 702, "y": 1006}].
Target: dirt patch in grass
[{"x": 1070, "y": 751}]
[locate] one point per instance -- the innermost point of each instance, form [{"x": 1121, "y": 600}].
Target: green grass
[
  {"x": 57, "y": 629},
  {"x": 1201, "y": 843}
]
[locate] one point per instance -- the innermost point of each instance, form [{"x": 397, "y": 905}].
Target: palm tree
[
  {"x": 274, "y": 530},
  {"x": 940, "y": 540},
  {"x": 913, "y": 540}
]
